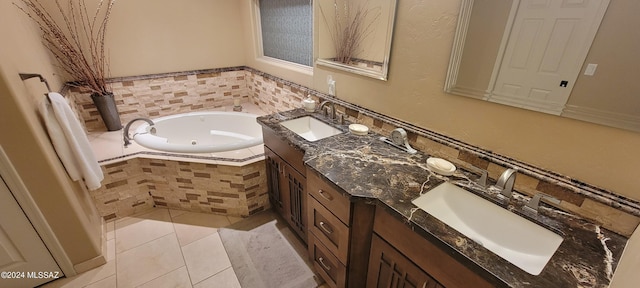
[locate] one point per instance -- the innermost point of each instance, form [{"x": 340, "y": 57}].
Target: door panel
[
  {"x": 388, "y": 268},
  {"x": 296, "y": 184},
  {"x": 24, "y": 259},
  {"x": 548, "y": 43}
]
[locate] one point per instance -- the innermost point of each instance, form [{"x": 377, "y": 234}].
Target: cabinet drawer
[
  {"x": 286, "y": 151},
  {"x": 328, "y": 196},
  {"x": 327, "y": 265},
  {"x": 329, "y": 230}
]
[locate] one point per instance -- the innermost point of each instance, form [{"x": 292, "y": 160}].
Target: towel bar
[{"x": 25, "y": 76}]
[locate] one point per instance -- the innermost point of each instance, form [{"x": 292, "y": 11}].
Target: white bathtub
[{"x": 200, "y": 132}]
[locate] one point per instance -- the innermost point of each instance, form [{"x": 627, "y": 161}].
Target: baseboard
[{"x": 98, "y": 260}]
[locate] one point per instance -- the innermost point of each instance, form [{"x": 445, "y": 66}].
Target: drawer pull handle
[
  {"x": 321, "y": 260},
  {"x": 325, "y": 228},
  {"x": 325, "y": 195}
]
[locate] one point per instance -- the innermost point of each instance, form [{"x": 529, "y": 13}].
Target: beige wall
[
  {"x": 158, "y": 36},
  {"x": 626, "y": 275},
  {"x": 68, "y": 210},
  {"x": 599, "y": 155},
  {"x": 484, "y": 33},
  {"x": 615, "y": 85}
]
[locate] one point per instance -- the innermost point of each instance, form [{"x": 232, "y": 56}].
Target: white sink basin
[
  {"x": 310, "y": 128},
  {"x": 514, "y": 238}
]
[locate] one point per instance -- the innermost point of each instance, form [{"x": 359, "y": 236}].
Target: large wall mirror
[
  {"x": 355, "y": 35},
  {"x": 573, "y": 58}
]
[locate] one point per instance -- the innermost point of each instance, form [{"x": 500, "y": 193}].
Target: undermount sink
[
  {"x": 510, "y": 236},
  {"x": 311, "y": 128}
]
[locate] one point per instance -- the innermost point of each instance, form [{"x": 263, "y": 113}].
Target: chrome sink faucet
[
  {"x": 332, "y": 107},
  {"x": 505, "y": 183},
  {"x": 125, "y": 131},
  {"x": 339, "y": 120},
  {"x": 534, "y": 204}
]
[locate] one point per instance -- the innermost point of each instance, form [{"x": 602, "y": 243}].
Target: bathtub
[{"x": 200, "y": 132}]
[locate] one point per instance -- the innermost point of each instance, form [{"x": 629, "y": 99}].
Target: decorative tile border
[
  {"x": 229, "y": 161},
  {"x": 183, "y": 92}
]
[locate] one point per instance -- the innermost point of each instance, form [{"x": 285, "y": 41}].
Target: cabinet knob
[
  {"x": 325, "y": 266},
  {"x": 325, "y": 228},
  {"x": 325, "y": 195}
]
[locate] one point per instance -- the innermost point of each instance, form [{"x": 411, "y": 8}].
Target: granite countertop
[{"x": 368, "y": 169}]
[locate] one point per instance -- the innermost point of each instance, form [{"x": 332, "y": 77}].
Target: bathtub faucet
[{"x": 125, "y": 132}]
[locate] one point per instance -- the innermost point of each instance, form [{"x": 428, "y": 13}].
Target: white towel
[{"x": 70, "y": 141}]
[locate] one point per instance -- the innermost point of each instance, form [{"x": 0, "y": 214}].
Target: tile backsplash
[{"x": 166, "y": 94}]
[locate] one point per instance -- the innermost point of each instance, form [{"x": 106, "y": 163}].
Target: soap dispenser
[{"x": 309, "y": 104}]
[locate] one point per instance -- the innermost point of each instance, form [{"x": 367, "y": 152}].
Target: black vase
[{"x": 106, "y": 105}]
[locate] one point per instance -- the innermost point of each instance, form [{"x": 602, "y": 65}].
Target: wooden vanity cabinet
[
  {"x": 397, "y": 249},
  {"x": 388, "y": 268},
  {"x": 340, "y": 234},
  {"x": 287, "y": 185}
]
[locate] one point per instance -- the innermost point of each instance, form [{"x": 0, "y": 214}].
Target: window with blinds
[{"x": 287, "y": 32}]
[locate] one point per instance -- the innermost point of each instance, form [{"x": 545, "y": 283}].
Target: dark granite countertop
[{"x": 368, "y": 169}]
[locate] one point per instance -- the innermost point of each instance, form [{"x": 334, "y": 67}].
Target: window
[{"x": 286, "y": 28}]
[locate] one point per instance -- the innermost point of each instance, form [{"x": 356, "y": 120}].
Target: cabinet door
[
  {"x": 297, "y": 193},
  {"x": 390, "y": 269},
  {"x": 287, "y": 192},
  {"x": 278, "y": 196}
]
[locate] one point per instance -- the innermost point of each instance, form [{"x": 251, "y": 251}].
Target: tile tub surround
[
  {"x": 137, "y": 184},
  {"x": 273, "y": 94},
  {"x": 136, "y": 178},
  {"x": 165, "y": 94},
  {"x": 586, "y": 258}
]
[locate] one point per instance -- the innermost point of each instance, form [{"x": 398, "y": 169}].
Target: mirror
[
  {"x": 355, "y": 35},
  {"x": 518, "y": 53}
]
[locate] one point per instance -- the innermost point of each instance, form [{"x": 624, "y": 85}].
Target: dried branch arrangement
[
  {"x": 76, "y": 39},
  {"x": 349, "y": 28}
]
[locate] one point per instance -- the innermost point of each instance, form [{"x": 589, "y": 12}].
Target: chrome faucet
[
  {"x": 534, "y": 203},
  {"x": 505, "y": 183},
  {"x": 333, "y": 108},
  {"x": 125, "y": 132}
]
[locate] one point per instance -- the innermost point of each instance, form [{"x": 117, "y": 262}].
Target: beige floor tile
[
  {"x": 111, "y": 227},
  {"x": 226, "y": 278},
  {"x": 81, "y": 280},
  {"x": 105, "y": 283},
  {"x": 137, "y": 230},
  {"x": 178, "y": 278},
  {"x": 111, "y": 250},
  {"x": 175, "y": 213},
  {"x": 192, "y": 226},
  {"x": 149, "y": 261},
  {"x": 234, "y": 219},
  {"x": 205, "y": 258}
]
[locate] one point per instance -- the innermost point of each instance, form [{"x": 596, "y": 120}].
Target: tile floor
[{"x": 162, "y": 248}]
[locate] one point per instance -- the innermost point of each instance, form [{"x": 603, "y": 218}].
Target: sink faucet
[
  {"x": 333, "y": 108},
  {"x": 534, "y": 203},
  {"x": 505, "y": 183},
  {"x": 125, "y": 132}
]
